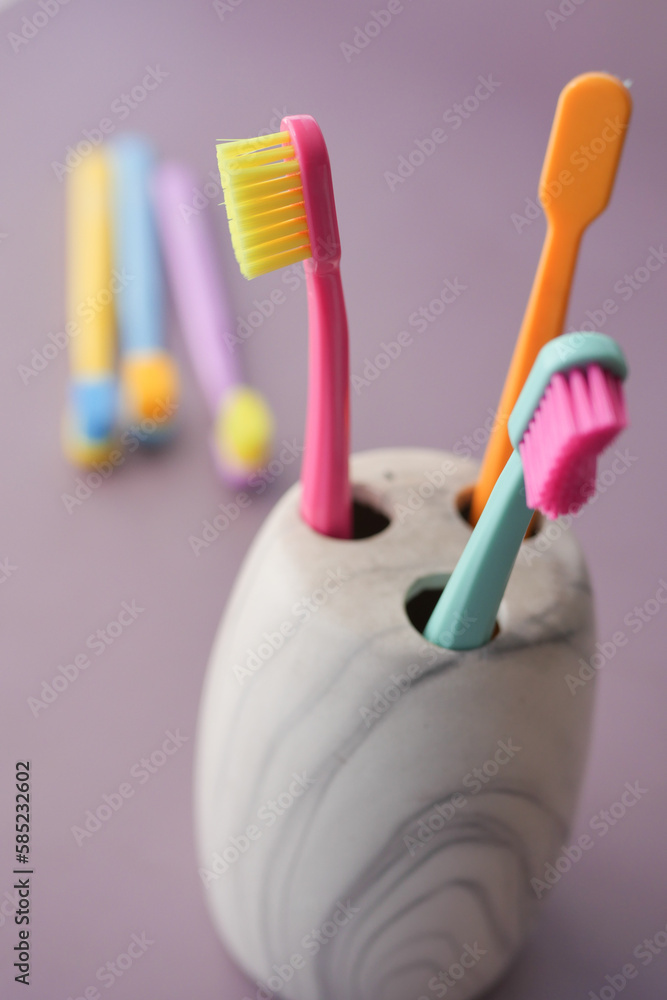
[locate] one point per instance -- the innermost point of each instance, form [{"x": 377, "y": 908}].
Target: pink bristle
[
  {"x": 544, "y": 417},
  {"x": 603, "y": 403},
  {"x": 581, "y": 400},
  {"x": 616, "y": 389},
  {"x": 601, "y": 398},
  {"x": 578, "y": 417},
  {"x": 552, "y": 423}
]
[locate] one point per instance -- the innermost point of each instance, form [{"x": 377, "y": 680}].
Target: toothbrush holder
[{"x": 371, "y": 808}]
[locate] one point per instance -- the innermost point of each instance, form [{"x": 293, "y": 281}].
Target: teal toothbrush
[{"x": 569, "y": 410}]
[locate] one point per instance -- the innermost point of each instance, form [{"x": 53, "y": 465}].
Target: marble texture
[{"x": 370, "y": 808}]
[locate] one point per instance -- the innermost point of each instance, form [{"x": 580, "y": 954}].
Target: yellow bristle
[
  {"x": 259, "y": 191},
  {"x": 250, "y": 170},
  {"x": 253, "y": 238},
  {"x": 240, "y": 146},
  {"x": 259, "y": 158},
  {"x": 266, "y": 212},
  {"x": 270, "y": 248},
  {"x": 286, "y": 200}
]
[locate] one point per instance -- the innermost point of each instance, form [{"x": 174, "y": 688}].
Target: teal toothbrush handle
[{"x": 465, "y": 615}]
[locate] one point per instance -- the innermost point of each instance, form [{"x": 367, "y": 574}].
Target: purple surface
[{"x": 230, "y": 76}]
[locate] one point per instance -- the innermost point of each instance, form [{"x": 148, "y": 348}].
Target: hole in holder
[
  {"x": 367, "y": 520},
  {"x": 422, "y": 597},
  {"x": 462, "y": 501},
  {"x": 464, "y": 497}
]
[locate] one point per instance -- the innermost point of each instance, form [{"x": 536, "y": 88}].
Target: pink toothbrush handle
[
  {"x": 326, "y": 500},
  {"x": 197, "y": 282}
]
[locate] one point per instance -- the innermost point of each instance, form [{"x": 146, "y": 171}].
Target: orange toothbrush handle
[
  {"x": 577, "y": 178},
  {"x": 544, "y": 320}
]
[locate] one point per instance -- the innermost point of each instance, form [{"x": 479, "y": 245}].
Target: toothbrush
[
  {"x": 88, "y": 428},
  {"x": 577, "y": 178},
  {"x": 243, "y": 423},
  {"x": 569, "y": 410},
  {"x": 148, "y": 373},
  {"x": 280, "y": 205}
]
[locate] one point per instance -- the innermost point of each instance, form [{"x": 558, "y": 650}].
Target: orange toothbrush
[{"x": 577, "y": 178}]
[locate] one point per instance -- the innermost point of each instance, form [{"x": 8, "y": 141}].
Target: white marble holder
[{"x": 371, "y": 808}]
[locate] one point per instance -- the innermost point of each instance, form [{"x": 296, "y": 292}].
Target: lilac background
[{"x": 228, "y": 78}]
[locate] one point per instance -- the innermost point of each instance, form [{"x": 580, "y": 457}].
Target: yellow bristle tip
[
  {"x": 150, "y": 386},
  {"x": 82, "y": 451},
  {"x": 261, "y": 181},
  {"x": 244, "y": 428},
  {"x": 240, "y": 147}
]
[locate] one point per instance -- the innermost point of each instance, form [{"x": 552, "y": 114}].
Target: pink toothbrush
[
  {"x": 243, "y": 425},
  {"x": 280, "y": 205}
]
